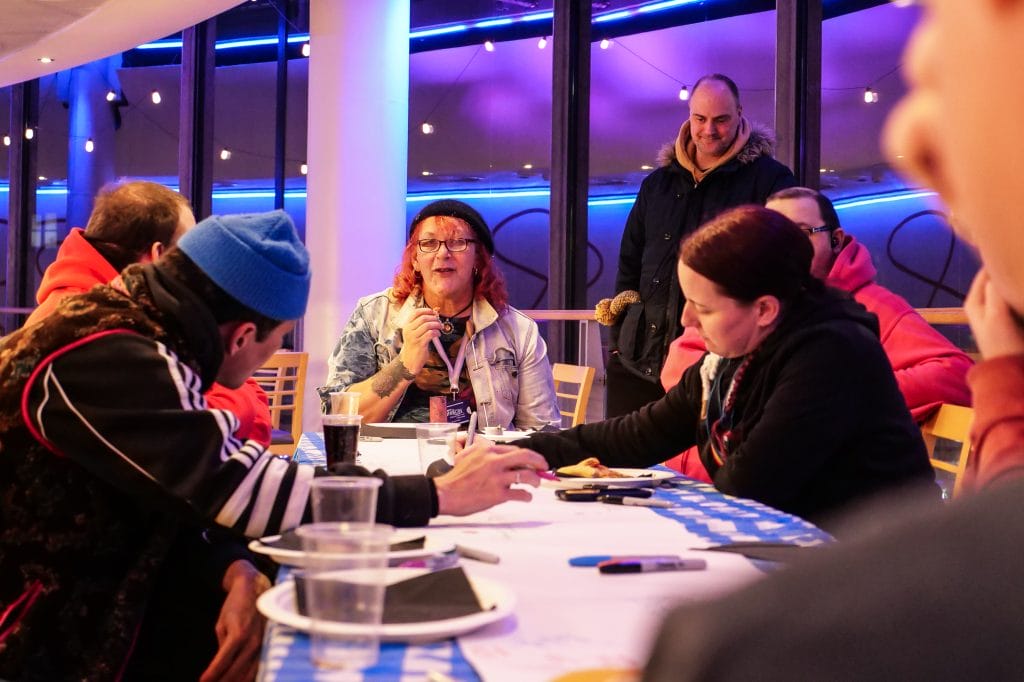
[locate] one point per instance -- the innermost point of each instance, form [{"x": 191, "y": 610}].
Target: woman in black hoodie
[{"x": 794, "y": 405}]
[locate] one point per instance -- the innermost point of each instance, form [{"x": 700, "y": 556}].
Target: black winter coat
[{"x": 669, "y": 206}]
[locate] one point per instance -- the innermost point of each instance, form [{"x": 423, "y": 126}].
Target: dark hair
[
  {"x": 128, "y": 218},
  {"x": 221, "y": 305},
  {"x": 749, "y": 252},
  {"x": 721, "y": 78},
  {"x": 825, "y": 207}
]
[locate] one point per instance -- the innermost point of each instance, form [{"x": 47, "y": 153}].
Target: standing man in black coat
[{"x": 718, "y": 161}]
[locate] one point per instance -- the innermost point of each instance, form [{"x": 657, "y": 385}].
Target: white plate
[
  {"x": 506, "y": 436},
  {"x": 634, "y": 478},
  {"x": 278, "y": 604},
  {"x": 293, "y": 557}
]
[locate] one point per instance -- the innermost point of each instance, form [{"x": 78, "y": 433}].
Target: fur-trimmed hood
[{"x": 761, "y": 143}]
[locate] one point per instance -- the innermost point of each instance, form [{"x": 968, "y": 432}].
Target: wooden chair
[
  {"x": 283, "y": 377},
  {"x": 572, "y": 403},
  {"x": 949, "y": 423}
]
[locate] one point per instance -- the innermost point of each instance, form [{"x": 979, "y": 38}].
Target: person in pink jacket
[
  {"x": 929, "y": 369},
  {"x": 130, "y": 223}
]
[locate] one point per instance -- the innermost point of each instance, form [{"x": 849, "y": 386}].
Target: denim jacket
[{"x": 507, "y": 359}]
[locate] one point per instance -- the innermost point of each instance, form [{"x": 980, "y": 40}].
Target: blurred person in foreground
[
  {"x": 109, "y": 451},
  {"x": 932, "y": 595},
  {"x": 445, "y": 328},
  {"x": 794, "y": 404},
  {"x": 929, "y": 369}
]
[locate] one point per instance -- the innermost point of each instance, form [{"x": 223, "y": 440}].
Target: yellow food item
[{"x": 591, "y": 467}]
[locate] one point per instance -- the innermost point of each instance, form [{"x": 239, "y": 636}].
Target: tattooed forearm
[{"x": 386, "y": 381}]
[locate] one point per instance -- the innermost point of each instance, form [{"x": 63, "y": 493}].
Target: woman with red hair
[{"x": 445, "y": 329}]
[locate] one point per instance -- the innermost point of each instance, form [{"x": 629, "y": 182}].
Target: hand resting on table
[{"x": 483, "y": 476}]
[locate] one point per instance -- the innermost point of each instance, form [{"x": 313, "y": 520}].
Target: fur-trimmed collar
[{"x": 761, "y": 143}]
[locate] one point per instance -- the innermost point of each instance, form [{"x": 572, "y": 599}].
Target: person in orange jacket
[{"x": 134, "y": 222}]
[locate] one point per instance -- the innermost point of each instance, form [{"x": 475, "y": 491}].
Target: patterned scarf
[{"x": 720, "y": 381}]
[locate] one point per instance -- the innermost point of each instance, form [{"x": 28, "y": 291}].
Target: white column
[
  {"x": 357, "y": 144},
  {"x": 90, "y": 116}
]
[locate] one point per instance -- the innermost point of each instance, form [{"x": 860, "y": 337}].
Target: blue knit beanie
[{"x": 257, "y": 258}]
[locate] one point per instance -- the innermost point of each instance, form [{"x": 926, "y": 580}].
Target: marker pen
[
  {"x": 592, "y": 560},
  {"x": 633, "y": 501},
  {"x": 477, "y": 554},
  {"x": 652, "y": 565}
]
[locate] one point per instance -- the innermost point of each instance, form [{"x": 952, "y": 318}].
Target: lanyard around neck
[{"x": 456, "y": 369}]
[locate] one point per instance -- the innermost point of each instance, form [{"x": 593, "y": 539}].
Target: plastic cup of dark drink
[{"x": 341, "y": 438}]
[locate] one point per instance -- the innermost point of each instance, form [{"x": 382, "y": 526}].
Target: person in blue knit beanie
[{"x": 112, "y": 461}]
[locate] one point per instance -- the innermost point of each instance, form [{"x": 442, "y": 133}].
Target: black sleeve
[
  {"x": 643, "y": 438},
  {"x": 144, "y": 427},
  {"x": 403, "y": 501},
  {"x": 631, "y": 251},
  {"x": 631, "y": 248}
]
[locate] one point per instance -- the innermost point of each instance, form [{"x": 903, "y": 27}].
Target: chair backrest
[
  {"x": 949, "y": 423},
  {"x": 283, "y": 377},
  {"x": 572, "y": 388}
]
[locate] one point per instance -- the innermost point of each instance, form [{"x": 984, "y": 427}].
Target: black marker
[
  {"x": 651, "y": 565},
  {"x": 633, "y": 501}
]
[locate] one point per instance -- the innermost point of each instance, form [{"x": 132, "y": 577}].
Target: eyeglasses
[
  {"x": 453, "y": 245},
  {"x": 814, "y": 230}
]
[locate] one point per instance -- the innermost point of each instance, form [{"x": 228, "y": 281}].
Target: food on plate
[{"x": 591, "y": 467}]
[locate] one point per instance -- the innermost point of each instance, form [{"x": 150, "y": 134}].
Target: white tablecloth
[{"x": 566, "y": 618}]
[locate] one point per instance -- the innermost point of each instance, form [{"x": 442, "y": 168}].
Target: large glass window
[
  {"x": 5, "y": 163},
  {"x": 636, "y": 111},
  {"x": 480, "y": 131},
  {"x": 904, "y": 227},
  {"x": 245, "y": 112}
]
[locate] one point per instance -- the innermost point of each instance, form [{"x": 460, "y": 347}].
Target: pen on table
[
  {"x": 471, "y": 431},
  {"x": 652, "y": 565},
  {"x": 633, "y": 501},
  {"x": 478, "y": 554},
  {"x": 592, "y": 560}
]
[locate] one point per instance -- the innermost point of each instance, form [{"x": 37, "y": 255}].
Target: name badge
[{"x": 458, "y": 411}]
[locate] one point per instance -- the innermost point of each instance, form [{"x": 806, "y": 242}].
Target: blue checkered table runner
[{"x": 699, "y": 507}]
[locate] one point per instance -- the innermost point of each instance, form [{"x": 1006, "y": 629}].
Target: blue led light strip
[
  {"x": 872, "y": 200},
  {"x": 617, "y": 15},
  {"x": 225, "y": 44},
  {"x": 604, "y": 200}
]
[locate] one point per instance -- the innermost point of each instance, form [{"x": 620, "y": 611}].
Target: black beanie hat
[{"x": 453, "y": 208}]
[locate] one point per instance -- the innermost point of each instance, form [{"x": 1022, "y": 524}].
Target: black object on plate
[
  {"x": 432, "y": 596},
  {"x": 290, "y": 540}
]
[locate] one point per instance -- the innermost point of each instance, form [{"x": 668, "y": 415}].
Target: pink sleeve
[
  {"x": 929, "y": 369},
  {"x": 997, "y": 435},
  {"x": 248, "y": 402},
  {"x": 682, "y": 353},
  {"x": 688, "y": 463}
]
